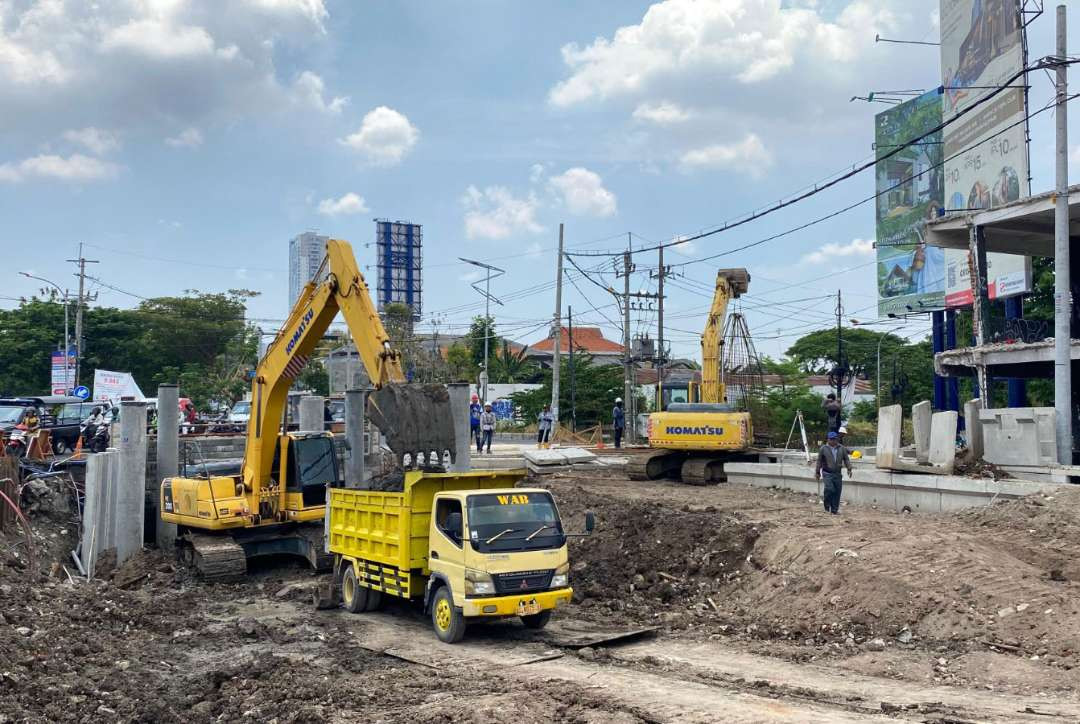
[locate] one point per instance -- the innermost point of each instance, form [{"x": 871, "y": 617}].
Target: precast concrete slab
[
  {"x": 921, "y": 413},
  {"x": 558, "y": 456},
  {"x": 974, "y": 429},
  {"x": 888, "y": 435},
  {"x": 888, "y": 489},
  {"x": 942, "y": 454},
  {"x": 1020, "y": 435}
]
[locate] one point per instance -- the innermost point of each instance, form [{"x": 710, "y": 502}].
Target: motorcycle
[
  {"x": 17, "y": 441},
  {"x": 95, "y": 437}
]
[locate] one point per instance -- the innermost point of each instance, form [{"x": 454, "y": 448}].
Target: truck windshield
[{"x": 517, "y": 516}]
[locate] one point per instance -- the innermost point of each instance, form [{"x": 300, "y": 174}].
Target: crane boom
[{"x": 730, "y": 284}]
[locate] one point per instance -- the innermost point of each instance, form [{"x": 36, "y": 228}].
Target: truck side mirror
[{"x": 590, "y": 521}]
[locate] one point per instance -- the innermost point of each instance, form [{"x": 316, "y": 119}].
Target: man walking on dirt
[
  {"x": 830, "y": 457},
  {"x": 619, "y": 418}
]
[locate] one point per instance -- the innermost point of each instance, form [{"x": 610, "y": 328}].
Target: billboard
[
  {"x": 113, "y": 386},
  {"x": 981, "y": 49},
  {"x": 63, "y": 375},
  {"x": 398, "y": 247},
  {"x": 910, "y": 187}
]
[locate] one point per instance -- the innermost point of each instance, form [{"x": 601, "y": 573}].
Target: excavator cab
[{"x": 306, "y": 463}]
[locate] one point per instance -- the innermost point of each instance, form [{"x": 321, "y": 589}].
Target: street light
[
  {"x": 67, "y": 343},
  {"x": 877, "y": 381},
  {"x": 486, "y": 292}
]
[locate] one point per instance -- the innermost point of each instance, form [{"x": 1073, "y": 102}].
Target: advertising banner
[
  {"x": 63, "y": 375},
  {"x": 982, "y": 49},
  {"x": 910, "y": 187},
  {"x": 113, "y": 386}
]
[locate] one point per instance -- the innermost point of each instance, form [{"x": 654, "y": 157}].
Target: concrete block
[
  {"x": 131, "y": 481},
  {"x": 888, "y": 436},
  {"x": 99, "y": 508},
  {"x": 311, "y": 414},
  {"x": 558, "y": 456},
  {"x": 943, "y": 441},
  {"x": 167, "y": 454},
  {"x": 974, "y": 428},
  {"x": 920, "y": 422},
  {"x": 355, "y": 414},
  {"x": 1020, "y": 435}
]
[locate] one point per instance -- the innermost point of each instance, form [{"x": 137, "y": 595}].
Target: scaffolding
[
  {"x": 399, "y": 261},
  {"x": 742, "y": 373}
]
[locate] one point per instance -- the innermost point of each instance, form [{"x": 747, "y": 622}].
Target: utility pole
[
  {"x": 661, "y": 355},
  {"x": 556, "y": 331},
  {"x": 627, "y": 363},
  {"x": 82, "y": 262},
  {"x": 573, "y": 395},
  {"x": 1062, "y": 281},
  {"x": 839, "y": 352}
]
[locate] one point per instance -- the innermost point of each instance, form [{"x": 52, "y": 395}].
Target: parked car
[
  {"x": 240, "y": 412},
  {"x": 59, "y": 414}
]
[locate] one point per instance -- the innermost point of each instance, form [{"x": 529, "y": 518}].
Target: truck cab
[{"x": 500, "y": 552}]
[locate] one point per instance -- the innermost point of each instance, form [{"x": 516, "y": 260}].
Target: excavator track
[
  {"x": 216, "y": 558},
  {"x": 702, "y": 471},
  {"x": 654, "y": 466}
]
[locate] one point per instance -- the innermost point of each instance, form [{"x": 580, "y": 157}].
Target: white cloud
[
  {"x": 687, "y": 248},
  {"x": 470, "y": 276},
  {"x": 832, "y": 250},
  {"x": 187, "y": 138},
  {"x": 308, "y": 90},
  {"x": 747, "y": 41},
  {"x": 75, "y": 168},
  {"x": 385, "y": 136},
  {"x": 1074, "y": 154},
  {"x": 536, "y": 173},
  {"x": 583, "y": 192},
  {"x": 662, "y": 114},
  {"x": 748, "y": 156},
  {"x": 495, "y": 213},
  {"x": 134, "y": 63},
  {"x": 350, "y": 203},
  {"x": 96, "y": 140}
]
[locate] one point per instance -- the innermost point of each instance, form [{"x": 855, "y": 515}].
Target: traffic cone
[{"x": 78, "y": 449}]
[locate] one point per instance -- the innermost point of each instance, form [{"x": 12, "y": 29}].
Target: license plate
[{"x": 528, "y": 608}]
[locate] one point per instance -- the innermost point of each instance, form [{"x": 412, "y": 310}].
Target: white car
[{"x": 240, "y": 412}]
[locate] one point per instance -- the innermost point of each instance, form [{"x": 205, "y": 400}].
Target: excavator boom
[{"x": 730, "y": 284}]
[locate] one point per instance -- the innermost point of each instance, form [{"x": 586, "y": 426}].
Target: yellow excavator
[
  {"x": 277, "y": 503},
  {"x": 692, "y": 440}
]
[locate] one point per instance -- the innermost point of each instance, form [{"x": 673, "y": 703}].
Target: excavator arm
[
  {"x": 730, "y": 284},
  {"x": 339, "y": 287}
]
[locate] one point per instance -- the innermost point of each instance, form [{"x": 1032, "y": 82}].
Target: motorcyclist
[{"x": 91, "y": 424}]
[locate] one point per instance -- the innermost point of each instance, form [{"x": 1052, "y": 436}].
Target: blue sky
[{"x": 184, "y": 144}]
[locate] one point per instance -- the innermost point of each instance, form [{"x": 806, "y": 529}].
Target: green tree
[
  {"x": 596, "y": 387},
  {"x": 460, "y": 365},
  {"x": 508, "y": 366},
  {"x": 481, "y": 328}
]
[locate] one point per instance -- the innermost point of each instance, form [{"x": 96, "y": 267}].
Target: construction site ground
[{"x": 761, "y": 608}]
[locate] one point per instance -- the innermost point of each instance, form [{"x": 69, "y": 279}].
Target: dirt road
[{"x": 764, "y": 609}]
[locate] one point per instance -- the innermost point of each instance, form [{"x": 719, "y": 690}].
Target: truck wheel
[
  {"x": 353, "y": 595},
  {"x": 446, "y": 618},
  {"x": 59, "y": 447},
  {"x": 374, "y": 600},
  {"x": 537, "y": 620}
]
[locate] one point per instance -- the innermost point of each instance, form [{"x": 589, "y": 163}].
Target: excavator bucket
[
  {"x": 415, "y": 419},
  {"x": 737, "y": 279}
]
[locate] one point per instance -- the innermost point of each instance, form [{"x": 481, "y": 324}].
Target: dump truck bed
[{"x": 388, "y": 531}]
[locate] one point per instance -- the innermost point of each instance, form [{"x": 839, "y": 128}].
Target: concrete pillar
[
  {"x": 311, "y": 414},
  {"x": 131, "y": 482},
  {"x": 938, "y": 336},
  {"x": 920, "y": 423},
  {"x": 952, "y": 385},
  {"x": 355, "y": 415},
  {"x": 974, "y": 428},
  {"x": 943, "y": 441},
  {"x": 99, "y": 508},
  {"x": 168, "y": 457},
  {"x": 459, "y": 408}
]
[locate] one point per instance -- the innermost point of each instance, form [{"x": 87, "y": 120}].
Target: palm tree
[{"x": 509, "y": 366}]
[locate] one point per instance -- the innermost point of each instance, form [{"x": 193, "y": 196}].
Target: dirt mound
[{"x": 654, "y": 564}]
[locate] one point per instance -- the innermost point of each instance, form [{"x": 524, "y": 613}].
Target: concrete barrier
[{"x": 887, "y": 489}]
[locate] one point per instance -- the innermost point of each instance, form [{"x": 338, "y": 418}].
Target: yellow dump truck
[{"x": 469, "y": 545}]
